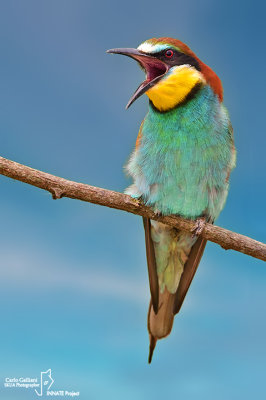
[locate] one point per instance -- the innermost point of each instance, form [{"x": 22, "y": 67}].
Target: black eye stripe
[
  {"x": 162, "y": 52},
  {"x": 178, "y": 58}
]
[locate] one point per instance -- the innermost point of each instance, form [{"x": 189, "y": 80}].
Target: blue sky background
[{"x": 73, "y": 281}]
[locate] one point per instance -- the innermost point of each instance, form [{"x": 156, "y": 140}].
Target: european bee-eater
[{"x": 181, "y": 165}]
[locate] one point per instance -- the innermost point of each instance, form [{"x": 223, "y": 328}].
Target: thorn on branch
[
  {"x": 225, "y": 246},
  {"x": 57, "y": 192}
]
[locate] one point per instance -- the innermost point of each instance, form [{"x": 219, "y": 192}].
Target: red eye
[{"x": 169, "y": 53}]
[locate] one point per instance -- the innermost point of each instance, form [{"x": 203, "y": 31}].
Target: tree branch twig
[{"x": 60, "y": 187}]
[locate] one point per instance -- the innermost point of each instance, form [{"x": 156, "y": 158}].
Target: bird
[{"x": 181, "y": 164}]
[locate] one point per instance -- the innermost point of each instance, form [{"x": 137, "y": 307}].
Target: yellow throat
[{"x": 174, "y": 88}]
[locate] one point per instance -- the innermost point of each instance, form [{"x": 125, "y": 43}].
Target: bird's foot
[
  {"x": 199, "y": 226},
  {"x": 137, "y": 200},
  {"x": 157, "y": 212}
]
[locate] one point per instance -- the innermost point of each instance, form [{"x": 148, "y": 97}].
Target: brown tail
[{"x": 164, "y": 306}]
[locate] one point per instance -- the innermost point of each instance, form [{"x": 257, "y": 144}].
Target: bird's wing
[
  {"x": 151, "y": 261},
  {"x": 189, "y": 272}
]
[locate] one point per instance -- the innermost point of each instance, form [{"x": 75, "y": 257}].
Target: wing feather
[
  {"x": 151, "y": 261},
  {"x": 190, "y": 269}
]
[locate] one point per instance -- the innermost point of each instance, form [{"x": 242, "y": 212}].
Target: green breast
[{"x": 184, "y": 158}]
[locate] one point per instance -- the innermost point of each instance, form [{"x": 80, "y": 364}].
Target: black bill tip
[{"x": 154, "y": 68}]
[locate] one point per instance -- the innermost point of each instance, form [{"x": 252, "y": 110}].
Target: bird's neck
[{"x": 179, "y": 84}]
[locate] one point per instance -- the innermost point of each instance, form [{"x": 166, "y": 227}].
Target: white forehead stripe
[{"x": 147, "y": 47}]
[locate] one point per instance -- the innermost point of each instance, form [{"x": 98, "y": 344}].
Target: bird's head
[{"x": 173, "y": 72}]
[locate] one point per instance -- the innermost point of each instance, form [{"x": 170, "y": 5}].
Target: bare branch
[{"x": 60, "y": 187}]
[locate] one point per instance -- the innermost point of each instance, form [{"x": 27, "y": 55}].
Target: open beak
[{"x": 154, "y": 69}]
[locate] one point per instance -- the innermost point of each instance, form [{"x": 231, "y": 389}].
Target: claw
[
  {"x": 199, "y": 227},
  {"x": 157, "y": 212}
]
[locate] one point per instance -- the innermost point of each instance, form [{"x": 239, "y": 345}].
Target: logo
[
  {"x": 46, "y": 381},
  {"x": 42, "y": 386}
]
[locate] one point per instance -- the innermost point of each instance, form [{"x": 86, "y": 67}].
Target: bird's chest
[
  {"x": 182, "y": 161},
  {"x": 177, "y": 158}
]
